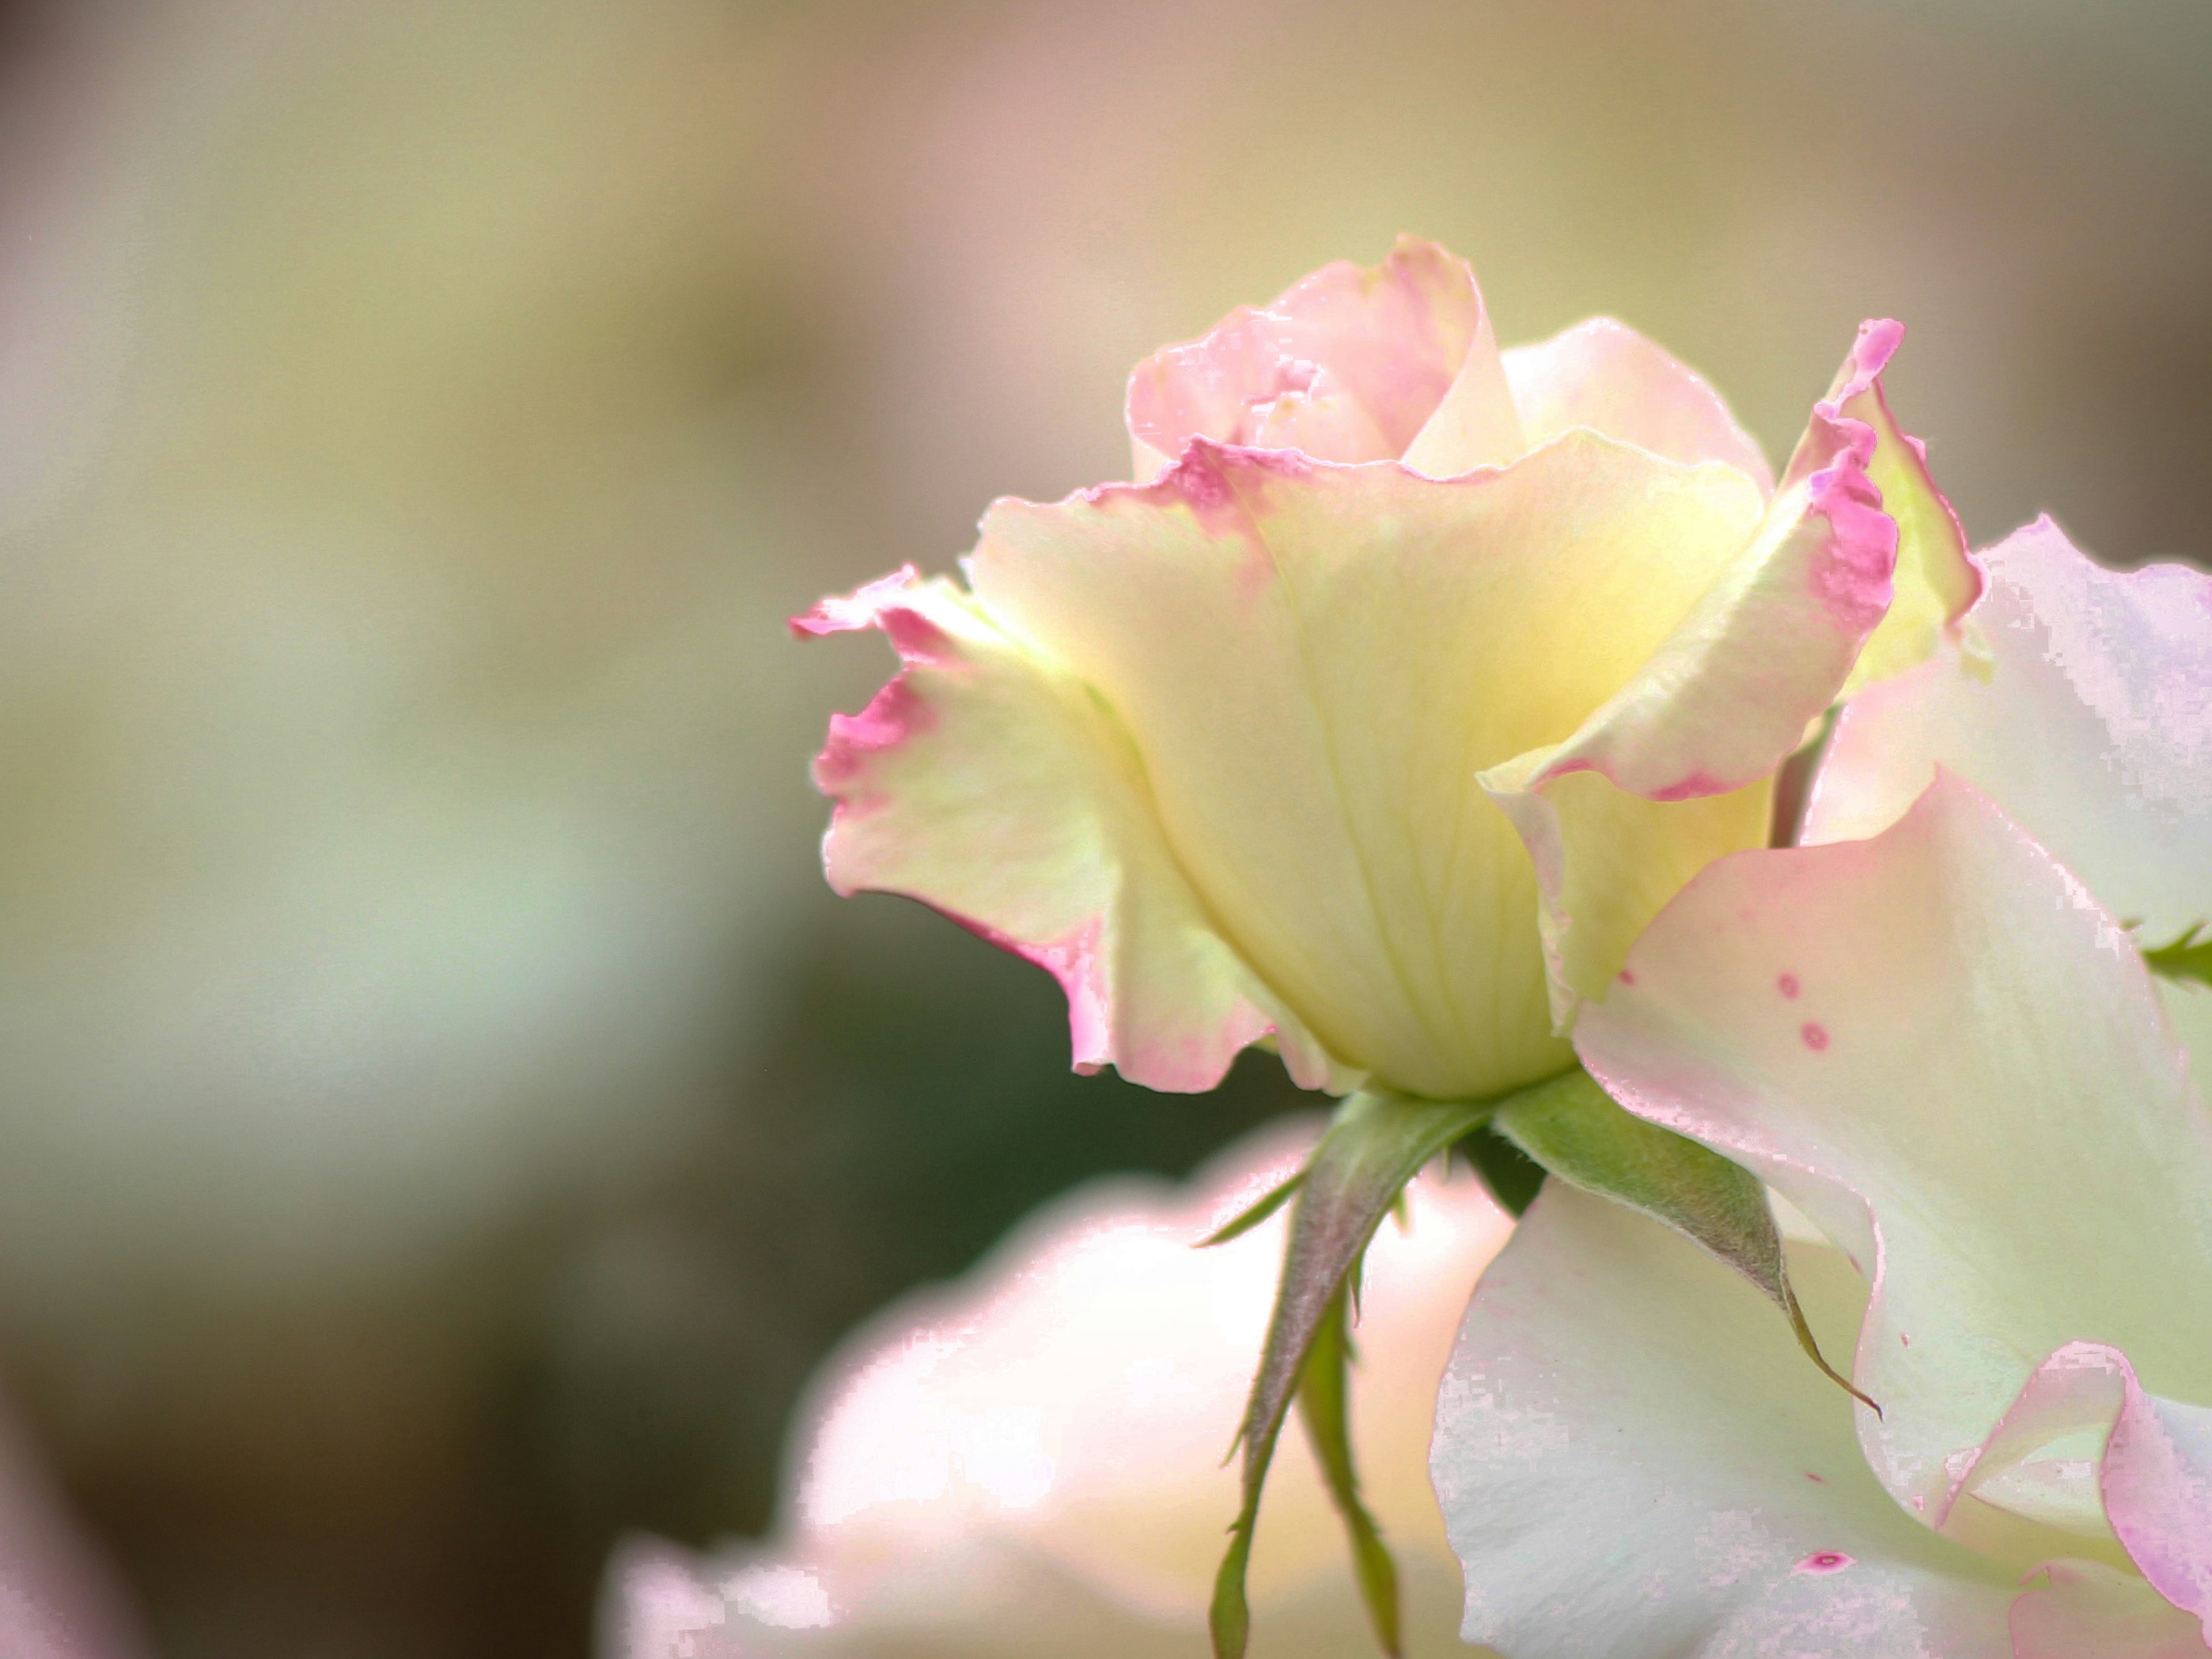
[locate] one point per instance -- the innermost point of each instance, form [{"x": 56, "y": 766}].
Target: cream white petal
[
  {"x": 1635, "y": 1461},
  {"x": 1940, "y": 1048}
]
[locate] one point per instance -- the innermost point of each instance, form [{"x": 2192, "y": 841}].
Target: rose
[
  {"x": 1031, "y": 1462},
  {"x": 1940, "y": 1045},
  {"x": 1252, "y": 750}
]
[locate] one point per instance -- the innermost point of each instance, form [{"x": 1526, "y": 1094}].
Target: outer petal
[
  {"x": 1312, "y": 663},
  {"x": 986, "y": 782},
  {"x": 2083, "y": 1610},
  {"x": 1348, "y": 364},
  {"x": 1033, "y": 1464},
  {"x": 1635, "y": 1460},
  {"x": 2089, "y": 722},
  {"x": 1604, "y": 375},
  {"x": 1712, "y": 711},
  {"x": 2087, "y": 714},
  {"x": 1937, "y": 1046}
]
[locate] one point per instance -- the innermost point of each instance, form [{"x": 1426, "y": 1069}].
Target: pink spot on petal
[
  {"x": 1817, "y": 1480},
  {"x": 1788, "y": 985},
  {"x": 1815, "y": 1036},
  {"x": 1906, "y": 1340},
  {"x": 1628, "y": 976},
  {"x": 1824, "y": 1561}
]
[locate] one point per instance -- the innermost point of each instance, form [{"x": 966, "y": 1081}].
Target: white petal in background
[
  {"x": 1635, "y": 1459},
  {"x": 1032, "y": 1462}
]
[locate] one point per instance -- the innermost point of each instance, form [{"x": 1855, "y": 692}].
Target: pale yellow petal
[
  {"x": 1313, "y": 663},
  {"x": 1705, "y": 719}
]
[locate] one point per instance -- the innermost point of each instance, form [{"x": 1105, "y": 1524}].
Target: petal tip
[{"x": 848, "y": 613}]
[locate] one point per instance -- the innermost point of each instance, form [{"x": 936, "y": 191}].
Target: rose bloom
[
  {"x": 1933, "y": 1034},
  {"x": 1408, "y": 682},
  {"x": 1032, "y": 1461}
]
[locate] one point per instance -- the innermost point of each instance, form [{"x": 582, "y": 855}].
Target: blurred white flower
[{"x": 1032, "y": 1460}]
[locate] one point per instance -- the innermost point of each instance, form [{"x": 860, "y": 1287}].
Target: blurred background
[{"x": 443, "y": 1117}]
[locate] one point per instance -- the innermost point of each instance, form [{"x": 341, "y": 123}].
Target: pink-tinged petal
[
  {"x": 2086, "y": 714},
  {"x": 1604, "y": 375},
  {"x": 1935, "y": 579},
  {"x": 2088, "y": 721},
  {"x": 1714, "y": 710},
  {"x": 1030, "y": 1461},
  {"x": 985, "y": 781},
  {"x": 1973, "y": 1092},
  {"x": 1311, "y": 664},
  {"x": 2158, "y": 1495},
  {"x": 1634, "y": 1459},
  {"x": 2085, "y": 1610},
  {"x": 1348, "y": 364}
]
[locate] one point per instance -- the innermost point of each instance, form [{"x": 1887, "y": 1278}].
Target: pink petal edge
[
  {"x": 1833, "y": 458},
  {"x": 1373, "y": 335},
  {"x": 1077, "y": 960}
]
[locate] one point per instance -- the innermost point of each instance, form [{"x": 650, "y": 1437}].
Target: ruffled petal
[
  {"x": 1634, "y": 1458},
  {"x": 1937, "y": 1046},
  {"x": 2087, "y": 717},
  {"x": 989, "y": 783},
  {"x": 1713, "y": 711},
  {"x": 1032, "y": 1463},
  {"x": 1604, "y": 375},
  {"x": 1312, "y": 663},
  {"x": 1936, "y": 580},
  {"x": 1349, "y": 364}
]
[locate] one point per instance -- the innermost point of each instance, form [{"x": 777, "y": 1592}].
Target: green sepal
[
  {"x": 1576, "y": 1130},
  {"x": 1512, "y": 1177},
  {"x": 1324, "y": 1406},
  {"x": 2187, "y": 958},
  {"x": 1274, "y": 1199},
  {"x": 1375, "y": 1145}
]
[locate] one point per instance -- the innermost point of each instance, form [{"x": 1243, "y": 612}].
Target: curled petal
[
  {"x": 1936, "y": 580},
  {"x": 984, "y": 782},
  {"x": 1634, "y": 1459},
  {"x": 1349, "y": 364},
  {"x": 1937, "y": 1046},
  {"x": 1604, "y": 375},
  {"x": 1712, "y": 713}
]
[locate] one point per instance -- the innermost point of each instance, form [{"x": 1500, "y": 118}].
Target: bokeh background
[{"x": 443, "y": 1117}]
